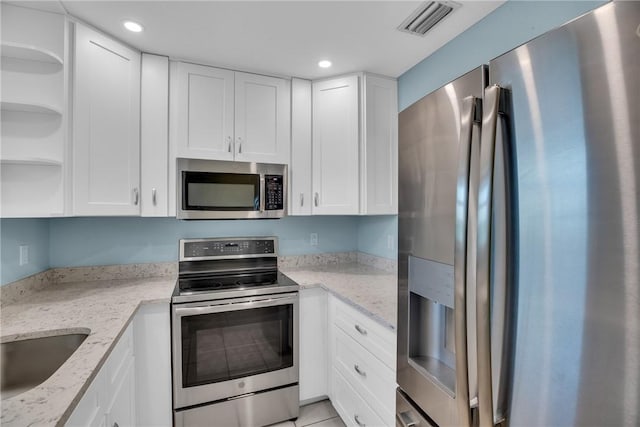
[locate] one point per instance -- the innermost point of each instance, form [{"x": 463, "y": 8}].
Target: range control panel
[
  {"x": 274, "y": 192},
  {"x": 222, "y": 248}
]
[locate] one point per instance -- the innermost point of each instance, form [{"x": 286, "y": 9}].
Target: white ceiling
[{"x": 281, "y": 37}]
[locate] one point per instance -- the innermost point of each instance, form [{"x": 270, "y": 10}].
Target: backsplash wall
[
  {"x": 104, "y": 241},
  {"x": 33, "y": 232},
  {"x": 378, "y": 235},
  {"x": 74, "y": 242}
]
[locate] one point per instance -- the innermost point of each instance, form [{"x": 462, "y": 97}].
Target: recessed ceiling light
[
  {"x": 133, "y": 26},
  {"x": 324, "y": 64}
]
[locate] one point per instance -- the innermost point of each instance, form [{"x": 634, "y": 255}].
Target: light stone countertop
[
  {"x": 368, "y": 289},
  {"x": 102, "y": 308}
]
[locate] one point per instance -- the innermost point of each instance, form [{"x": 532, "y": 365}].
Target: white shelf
[
  {"x": 28, "y": 52},
  {"x": 30, "y": 107},
  {"x": 34, "y": 161}
]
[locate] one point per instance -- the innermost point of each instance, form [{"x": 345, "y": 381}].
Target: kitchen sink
[{"x": 28, "y": 363}]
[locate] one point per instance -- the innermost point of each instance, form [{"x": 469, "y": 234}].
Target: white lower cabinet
[
  {"x": 109, "y": 399},
  {"x": 351, "y": 407},
  {"x": 152, "y": 343},
  {"x": 313, "y": 344},
  {"x": 132, "y": 390},
  {"x": 362, "y": 367}
]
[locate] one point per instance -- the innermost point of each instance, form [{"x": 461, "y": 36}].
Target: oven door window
[
  {"x": 233, "y": 344},
  {"x": 207, "y": 191}
]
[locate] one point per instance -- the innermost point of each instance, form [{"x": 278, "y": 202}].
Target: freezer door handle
[
  {"x": 493, "y": 262},
  {"x": 470, "y": 106},
  {"x": 406, "y": 420}
]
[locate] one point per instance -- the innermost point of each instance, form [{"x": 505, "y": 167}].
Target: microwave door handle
[{"x": 262, "y": 193}]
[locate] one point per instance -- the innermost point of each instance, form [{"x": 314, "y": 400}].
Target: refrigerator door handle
[
  {"x": 491, "y": 265},
  {"x": 470, "y": 107}
]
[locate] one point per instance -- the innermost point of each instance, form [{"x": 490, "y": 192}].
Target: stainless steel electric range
[{"x": 234, "y": 335}]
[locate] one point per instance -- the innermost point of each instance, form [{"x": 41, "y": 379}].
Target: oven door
[{"x": 228, "y": 348}]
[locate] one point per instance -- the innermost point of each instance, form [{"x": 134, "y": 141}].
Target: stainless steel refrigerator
[{"x": 519, "y": 236}]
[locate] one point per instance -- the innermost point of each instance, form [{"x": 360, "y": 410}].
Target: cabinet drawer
[
  {"x": 352, "y": 408},
  {"x": 371, "y": 378},
  {"x": 377, "y": 339}
]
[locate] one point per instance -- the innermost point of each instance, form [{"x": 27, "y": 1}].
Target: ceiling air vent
[{"x": 426, "y": 17}]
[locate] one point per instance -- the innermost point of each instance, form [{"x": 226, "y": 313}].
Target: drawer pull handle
[
  {"x": 361, "y": 329},
  {"x": 359, "y": 371},
  {"x": 357, "y": 420},
  {"x": 115, "y": 425}
]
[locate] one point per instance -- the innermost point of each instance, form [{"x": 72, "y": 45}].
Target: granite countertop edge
[
  {"x": 52, "y": 402},
  {"x": 45, "y": 392},
  {"x": 353, "y": 304}
]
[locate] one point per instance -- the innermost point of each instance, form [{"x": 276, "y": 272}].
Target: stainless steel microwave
[{"x": 215, "y": 189}]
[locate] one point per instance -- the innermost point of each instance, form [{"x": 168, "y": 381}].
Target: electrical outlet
[
  {"x": 24, "y": 254},
  {"x": 313, "y": 239},
  {"x": 389, "y": 242}
]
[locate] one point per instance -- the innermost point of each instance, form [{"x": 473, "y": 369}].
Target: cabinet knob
[
  {"x": 316, "y": 199},
  {"x": 357, "y": 420},
  {"x": 136, "y": 196},
  {"x": 301, "y": 199},
  {"x": 229, "y": 144},
  {"x": 153, "y": 197},
  {"x": 239, "y": 145},
  {"x": 115, "y": 425}
]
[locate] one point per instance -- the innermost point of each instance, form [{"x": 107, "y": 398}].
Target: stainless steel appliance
[
  {"x": 234, "y": 335},
  {"x": 519, "y": 237},
  {"x": 215, "y": 189}
]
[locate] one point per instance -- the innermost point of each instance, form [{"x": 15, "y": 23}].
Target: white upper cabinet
[
  {"x": 335, "y": 146},
  {"x": 379, "y": 156},
  {"x": 262, "y": 119},
  {"x": 34, "y": 75},
  {"x": 154, "y": 135},
  {"x": 300, "y": 198},
  {"x": 204, "y": 112},
  {"x": 225, "y": 115},
  {"x": 106, "y": 126},
  {"x": 354, "y": 146}
]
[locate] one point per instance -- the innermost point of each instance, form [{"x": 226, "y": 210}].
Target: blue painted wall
[
  {"x": 16, "y": 232},
  {"x": 103, "y": 241},
  {"x": 374, "y": 233},
  {"x": 507, "y": 27}
]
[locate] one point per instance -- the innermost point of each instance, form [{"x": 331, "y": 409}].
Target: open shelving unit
[{"x": 33, "y": 112}]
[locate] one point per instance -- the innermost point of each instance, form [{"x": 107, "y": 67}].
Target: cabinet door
[
  {"x": 154, "y": 135},
  {"x": 106, "y": 132},
  {"x": 336, "y": 146},
  {"x": 313, "y": 344},
  {"x": 300, "y": 168},
  {"x": 262, "y": 118},
  {"x": 380, "y": 147},
  {"x": 204, "y": 112},
  {"x": 90, "y": 410},
  {"x": 152, "y": 348},
  {"x": 121, "y": 409}
]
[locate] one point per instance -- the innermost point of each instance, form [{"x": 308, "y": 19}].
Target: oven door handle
[{"x": 221, "y": 306}]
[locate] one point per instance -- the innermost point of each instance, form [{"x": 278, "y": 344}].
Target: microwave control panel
[{"x": 274, "y": 192}]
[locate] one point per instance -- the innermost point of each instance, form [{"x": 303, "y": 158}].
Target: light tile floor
[{"x": 319, "y": 414}]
